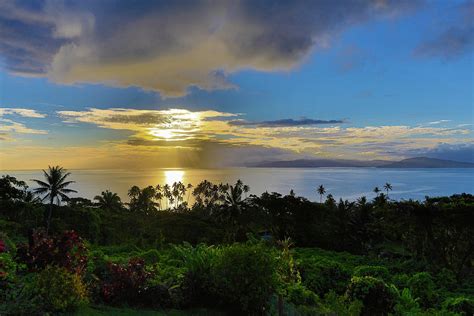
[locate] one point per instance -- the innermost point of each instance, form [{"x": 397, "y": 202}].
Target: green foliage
[
  {"x": 245, "y": 277},
  {"x": 373, "y": 271},
  {"x": 20, "y": 296},
  {"x": 388, "y": 241},
  {"x": 423, "y": 287},
  {"x": 401, "y": 280},
  {"x": 322, "y": 275},
  {"x": 60, "y": 290},
  {"x": 461, "y": 305},
  {"x": 7, "y": 267},
  {"x": 378, "y": 298},
  {"x": 196, "y": 284},
  {"x": 446, "y": 279},
  {"x": 298, "y": 294},
  {"x": 406, "y": 304},
  {"x": 333, "y": 304}
]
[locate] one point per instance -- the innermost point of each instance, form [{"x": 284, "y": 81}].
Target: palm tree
[
  {"x": 387, "y": 187},
  {"x": 167, "y": 194},
  {"x": 55, "y": 187},
  {"x": 321, "y": 190},
  {"x": 246, "y": 189},
  {"x": 159, "y": 195},
  {"x": 376, "y": 190},
  {"x": 109, "y": 201},
  {"x": 188, "y": 188}
]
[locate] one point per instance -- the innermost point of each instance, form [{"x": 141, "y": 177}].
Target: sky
[{"x": 138, "y": 84}]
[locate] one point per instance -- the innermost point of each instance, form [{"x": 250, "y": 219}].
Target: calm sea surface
[{"x": 348, "y": 183}]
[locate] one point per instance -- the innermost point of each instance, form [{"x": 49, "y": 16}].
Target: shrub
[
  {"x": 378, "y": 298},
  {"x": 20, "y": 296},
  {"x": 324, "y": 275},
  {"x": 401, "y": 280},
  {"x": 446, "y": 279},
  {"x": 197, "y": 281},
  {"x": 298, "y": 294},
  {"x": 124, "y": 283},
  {"x": 130, "y": 284},
  {"x": 60, "y": 290},
  {"x": 461, "y": 305},
  {"x": 7, "y": 267},
  {"x": 406, "y": 304},
  {"x": 333, "y": 304},
  {"x": 373, "y": 271},
  {"x": 422, "y": 286},
  {"x": 150, "y": 256},
  {"x": 67, "y": 251},
  {"x": 245, "y": 277}
]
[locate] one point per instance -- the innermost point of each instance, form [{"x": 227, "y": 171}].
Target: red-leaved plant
[
  {"x": 125, "y": 283},
  {"x": 67, "y": 251}
]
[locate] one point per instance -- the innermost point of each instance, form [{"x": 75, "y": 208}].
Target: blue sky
[{"x": 398, "y": 74}]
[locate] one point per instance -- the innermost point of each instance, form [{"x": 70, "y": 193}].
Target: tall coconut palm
[
  {"x": 188, "y": 188},
  {"x": 376, "y": 190},
  {"x": 159, "y": 195},
  {"x": 387, "y": 187},
  {"x": 321, "y": 191},
  {"x": 55, "y": 187},
  {"x": 109, "y": 201},
  {"x": 167, "y": 194}
]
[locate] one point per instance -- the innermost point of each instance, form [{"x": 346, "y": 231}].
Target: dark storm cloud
[
  {"x": 168, "y": 46},
  {"x": 285, "y": 122},
  {"x": 455, "y": 39}
]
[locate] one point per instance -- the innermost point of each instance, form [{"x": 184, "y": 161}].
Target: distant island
[{"x": 417, "y": 162}]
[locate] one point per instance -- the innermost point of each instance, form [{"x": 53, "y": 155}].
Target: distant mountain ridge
[{"x": 417, "y": 162}]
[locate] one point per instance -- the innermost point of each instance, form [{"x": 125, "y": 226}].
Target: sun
[
  {"x": 165, "y": 134},
  {"x": 173, "y": 176}
]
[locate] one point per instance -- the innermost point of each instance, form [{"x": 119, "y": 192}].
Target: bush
[
  {"x": 324, "y": 275},
  {"x": 298, "y": 294},
  {"x": 401, "y": 280},
  {"x": 245, "y": 277},
  {"x": 446, "y": 279},
  {"x": 60, "y": 290},
  {"x": 197, "y": 282},
  {"x": 125, "y": 283},
  {"x": 333, "y": 304},
  {"x": 461, "y": 305},
  {"x": 373, "y": 271},
  {"x": 422, "y": 286},
  {"x": 67, "y": 251},
  {"x": 378, "y": 298},
  {"x": 20, "y": 297},
  {"x": 406, "y": 304},
  {"x": 7, "y": 266}
]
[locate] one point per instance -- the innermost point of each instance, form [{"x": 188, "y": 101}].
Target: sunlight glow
[
  {"x": 165, "y": 134},
  {"x": 173, "y": 176},
  {"x": 179, "y": 125}
]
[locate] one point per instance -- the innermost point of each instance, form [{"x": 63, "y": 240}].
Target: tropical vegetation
[{"x": 215, "y": 249}]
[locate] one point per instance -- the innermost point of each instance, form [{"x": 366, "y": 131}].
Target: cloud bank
[
  {"x": 201, "y": 131},
  {"x": 8, "y": 126},
  {"x": 168, "y": 46}
]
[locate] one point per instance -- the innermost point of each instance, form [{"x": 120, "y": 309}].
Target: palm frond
[
  {"x": 41, "y": 183},
  {"x": 68, "y": 191},
  {"x": 65, "y": 184}
]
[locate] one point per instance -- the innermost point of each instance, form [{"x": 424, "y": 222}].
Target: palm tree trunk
[
  {"x": 49, "y": 217},
  {"x": 320, "y": 198}
]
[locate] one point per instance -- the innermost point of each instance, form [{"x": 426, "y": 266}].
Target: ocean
[{"x": 346, "y": 183}]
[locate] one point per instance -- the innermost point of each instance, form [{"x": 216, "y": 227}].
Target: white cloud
[{"x": 21, "y": 112}]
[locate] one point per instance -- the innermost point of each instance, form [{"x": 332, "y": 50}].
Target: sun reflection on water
[{"x": 172, "y": 176}]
